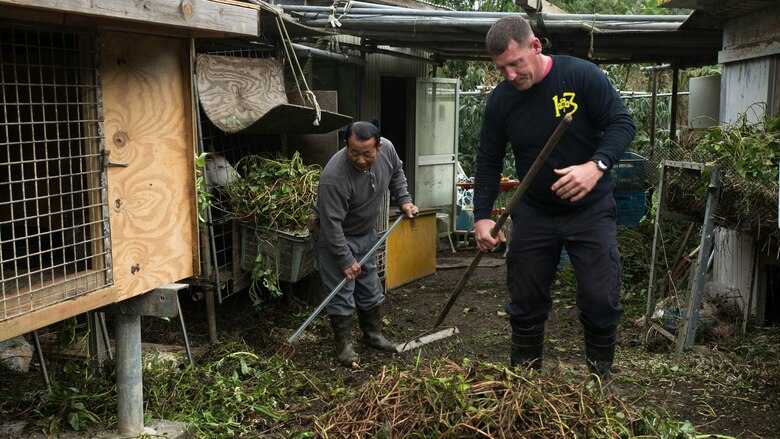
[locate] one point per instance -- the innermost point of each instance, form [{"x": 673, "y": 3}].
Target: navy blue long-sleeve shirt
[{"x": 601, "y": 129}]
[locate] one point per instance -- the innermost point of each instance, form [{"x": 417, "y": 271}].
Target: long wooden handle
[{"x": 537, "y": 165}]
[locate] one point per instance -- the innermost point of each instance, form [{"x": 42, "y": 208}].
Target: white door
[{"x": 436, "y": 144}]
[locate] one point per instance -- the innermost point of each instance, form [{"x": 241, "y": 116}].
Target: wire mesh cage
[
  {"x": 225, "y": 232},
  {"x": 53, "y": 209}
]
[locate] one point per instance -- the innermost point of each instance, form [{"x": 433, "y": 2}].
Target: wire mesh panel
[
  {"x": 53, "y": 213},
  {"x": 224, "y": 234},
  {"x": 225, "y": 237}
]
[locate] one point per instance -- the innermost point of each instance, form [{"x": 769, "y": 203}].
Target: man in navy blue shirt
[{"x": 569, "y": 204}]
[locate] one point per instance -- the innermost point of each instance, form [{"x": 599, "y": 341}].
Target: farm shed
[
  {"x": 742, "y": 36},
  {"x": 744, "y": 260},
  {"x": 389, "y": 46},
  {"x": 98, "y": 139},
  {"x": 414, "y": 32},
  {"x": 97, "y": 147}
]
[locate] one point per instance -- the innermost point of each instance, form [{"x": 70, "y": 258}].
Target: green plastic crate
[{"x": 291, "y": 255}]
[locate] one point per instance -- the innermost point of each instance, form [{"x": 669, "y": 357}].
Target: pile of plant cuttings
[
  {"x": 229, "y": 392},
  {"x": 445, "y": 399},
  {"x": 274, "y": 192},
  {"x": 747, "y": 155}
]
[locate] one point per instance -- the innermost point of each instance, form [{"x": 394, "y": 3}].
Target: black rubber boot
[
  {"x": 600, "y": 351},
  {"x": 371, "y": 325},
  {"x": 342, "y": 328},
  {"x": 527, "y": 345}
]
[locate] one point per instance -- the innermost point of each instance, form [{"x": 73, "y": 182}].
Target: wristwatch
[{"x": 599, "y": 164}]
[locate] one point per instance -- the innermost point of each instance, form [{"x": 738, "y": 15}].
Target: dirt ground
[{"x": 727, "y": 389}]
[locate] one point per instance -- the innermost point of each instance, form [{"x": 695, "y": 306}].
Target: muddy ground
[{"x": 732, "y": 387}]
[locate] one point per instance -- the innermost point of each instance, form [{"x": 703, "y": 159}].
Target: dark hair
[
  {"x": 363, "y": 131},
  {"x": 506, "y": 29}
]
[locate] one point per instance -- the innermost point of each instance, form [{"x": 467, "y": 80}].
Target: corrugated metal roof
[{"x": 447, "y": 34}]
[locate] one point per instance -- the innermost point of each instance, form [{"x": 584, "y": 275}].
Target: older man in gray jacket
[{"x": 351, "y": 191}]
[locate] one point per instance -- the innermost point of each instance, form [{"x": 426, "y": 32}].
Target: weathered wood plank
[
  {"x": 205, "y": 15},
  {"x": 55, "y": 313},
  {"x": 236, "y": 92},
  {"x": 146, "y": 88}
]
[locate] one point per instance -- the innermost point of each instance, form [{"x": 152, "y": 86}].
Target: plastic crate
[
  {"x": 291, "y": 255},
  {"x": 630, "y": 208},
  {"x": 629, "y": 173}
]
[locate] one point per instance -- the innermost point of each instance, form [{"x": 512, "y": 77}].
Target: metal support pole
[
  {"x": 184, "y": 331},
  {"x": 675, "y": 99},
  {"x": 97, "y": 342},
  {"x": 38, "y": 350},
  {"x": 130, "y": 408},
  {"x": 653, "y": 103},
  {"x": 657, "y": 240},
  {"x": 687, "y": 333},
  {"x": 104, "y": 331}
]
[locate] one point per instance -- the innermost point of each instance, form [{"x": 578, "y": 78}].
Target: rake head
[{"x": 426, "y": 338}]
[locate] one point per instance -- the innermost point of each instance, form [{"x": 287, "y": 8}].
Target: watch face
[{"x": 601, "y": 165}]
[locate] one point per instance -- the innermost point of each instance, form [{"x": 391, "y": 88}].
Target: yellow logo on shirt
[{"x": 565, "y": 104}]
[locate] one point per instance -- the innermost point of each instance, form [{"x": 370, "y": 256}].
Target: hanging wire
[{"x": 307, "y": 96}]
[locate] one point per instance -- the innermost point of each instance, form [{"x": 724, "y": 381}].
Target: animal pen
[
  {"x": 98, "y": 164},
  {"x": 99, "y": 134},
  {"x": 97, "y": 196}
]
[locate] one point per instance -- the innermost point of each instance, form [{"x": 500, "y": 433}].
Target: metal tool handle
[
  {"x": 343, "y": 282},
  {"x": 537, "y": 165}
]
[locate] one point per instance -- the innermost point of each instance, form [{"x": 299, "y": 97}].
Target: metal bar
[
  {"x": 653, "y": 100},
  {"x": 656, "y": 240},
  {"x": 535, "y": 167},
  {"x": 368, "y": 9},
  {"x": 687, "y": 334},
  {"x": 104, "y": 331},
  {"x": 42, "y": 363},
  {"x": 675, "y": 96},
  {"x": 343, "y": 282},
  {"x": 184, "y": 331},
  {"x": 129, "y": 383},
  {"x": 473, "y": 24},
  {"x": 313, "y": 51}
]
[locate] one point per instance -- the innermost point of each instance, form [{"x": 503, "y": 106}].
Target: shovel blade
[{"x": 425, "y": 339}]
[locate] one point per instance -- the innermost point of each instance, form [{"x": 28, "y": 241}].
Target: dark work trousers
[
  {"x": 590, "y": 238},
  {"x": 363, "y": 293}
]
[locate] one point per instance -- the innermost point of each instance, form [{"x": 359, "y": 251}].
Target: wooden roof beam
[{"x": 192, "y": 17}]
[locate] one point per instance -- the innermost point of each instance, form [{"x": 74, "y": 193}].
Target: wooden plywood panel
[
  {"x": 205, "y": 16},
  {"x": 411, "y": 251},
  {"x": 57, "y": 312},
  {"x": 148, "y": 126},
  {"x": 247, "y": 94}
]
